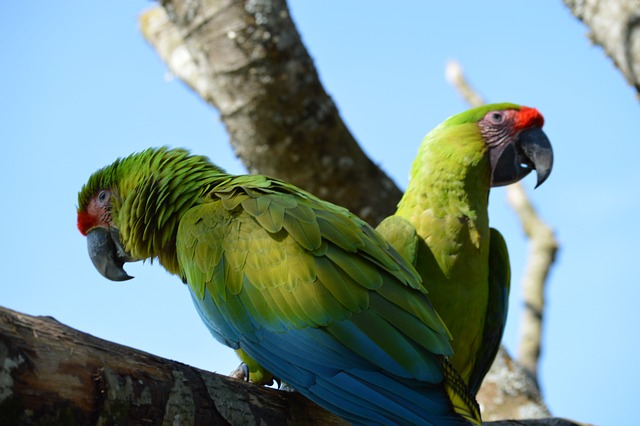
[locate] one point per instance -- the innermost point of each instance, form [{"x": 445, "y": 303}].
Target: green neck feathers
[{"x": 451, "y": 174}]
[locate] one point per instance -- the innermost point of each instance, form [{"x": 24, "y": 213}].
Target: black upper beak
[
  {"x": 107, "y": 254},
  {"x": 531, "y": 150}
]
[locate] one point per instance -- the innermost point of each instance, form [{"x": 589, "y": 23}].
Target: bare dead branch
[
  {"x": 542, "y": 250},
  {"x": 455, "y": 76}
]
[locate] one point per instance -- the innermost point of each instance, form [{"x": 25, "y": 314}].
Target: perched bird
[
  {"x": 442, "y": 223},
  {"x": 300, "y": 286}
]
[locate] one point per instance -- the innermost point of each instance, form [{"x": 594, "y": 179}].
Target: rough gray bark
[
  {"x": 508, "y": 391},
  {"x": 614, "y": 25},
  {"x": 51, "y": 374},
  {"x": 247, "y": 60}
]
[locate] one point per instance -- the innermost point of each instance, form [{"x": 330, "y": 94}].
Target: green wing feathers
[
  {"x": 288, "y": 259},
  {"x": 497, "y": 307},
  {"x": 402, "y": 235}
]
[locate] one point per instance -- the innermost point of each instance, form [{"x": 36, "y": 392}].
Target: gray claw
[
  {"x": 245, "y": 370},
  {"x": 241, "y": 372}
]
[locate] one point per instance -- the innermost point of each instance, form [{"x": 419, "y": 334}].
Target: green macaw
[
  {"x": 300, "y": 286},
  {"x": 442, "y": 223}
]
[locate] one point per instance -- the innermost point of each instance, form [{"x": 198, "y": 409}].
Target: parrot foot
[{"x": 241, "y": 372}]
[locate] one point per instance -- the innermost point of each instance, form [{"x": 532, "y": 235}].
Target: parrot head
[
  {"x": 130, "y": 209},
  {"x": 492, "y": 145},
  {"x": 95, "y": 221},
  {"x": 517, "y": 145}
]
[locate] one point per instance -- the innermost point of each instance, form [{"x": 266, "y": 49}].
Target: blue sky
[{"x": 80, "y": 87}]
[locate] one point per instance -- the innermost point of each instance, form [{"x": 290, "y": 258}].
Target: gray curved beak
[
  {"x": 531, "y": 151},
  {"x": 107, "y": 254}
]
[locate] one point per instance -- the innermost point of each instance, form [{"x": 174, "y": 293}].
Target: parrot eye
[
  {"x": 103, "y": 196},
  {"x": 496, "y": 117}
]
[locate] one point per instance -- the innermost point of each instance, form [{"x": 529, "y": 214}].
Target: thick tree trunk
[
  {"x": 614, "y": 25},
  {"x": 51, "y": 374},
  {"x": 247, "y": 60}
]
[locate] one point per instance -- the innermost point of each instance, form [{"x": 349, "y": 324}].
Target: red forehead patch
[
  {"x": 86, "y": 221},
  {"x": 529, "y": 117}
]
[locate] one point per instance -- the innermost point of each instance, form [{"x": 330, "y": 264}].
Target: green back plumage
[{"x": 270, "y": 241}]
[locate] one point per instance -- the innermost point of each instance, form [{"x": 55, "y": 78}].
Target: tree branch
[
  {"x": 247, "y": 60},
  {"x": 53, "y": 374},
  {"x": 614, "y": 25},
  {"x": 455, "y": 76},
  {"x": 543, "y": 248}
]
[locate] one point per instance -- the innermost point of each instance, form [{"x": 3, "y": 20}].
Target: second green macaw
[{"x": 442, "y": 222}]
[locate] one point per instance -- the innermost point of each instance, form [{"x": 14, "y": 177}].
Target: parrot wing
[
  {"x": 402, "y": 235},
  {"x": 317, "y": 297},
  {"x": 497, "y": 307}
]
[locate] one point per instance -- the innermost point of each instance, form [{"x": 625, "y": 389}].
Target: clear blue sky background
[{"x": 80, "y": 87}]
